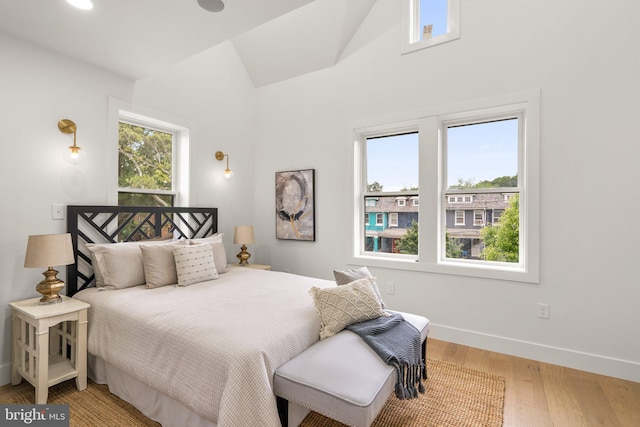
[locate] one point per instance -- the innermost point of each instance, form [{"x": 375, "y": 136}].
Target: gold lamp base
[
  {"x": 243, "y": 256},
  {"x": 50, "y": 287}
]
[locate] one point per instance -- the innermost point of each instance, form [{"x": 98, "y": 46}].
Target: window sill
[{"x": 497, "y": 271}]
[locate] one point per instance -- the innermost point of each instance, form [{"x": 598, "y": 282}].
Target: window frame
[
  {"x": 393, "y": 219},
  {"x": 183, "y": 134},
  {"x": 432, "y": 244},
  {"x": 411, "y": 40},
  {"x": 455, "y": 217},
  {"x": 482, "y": 221}
]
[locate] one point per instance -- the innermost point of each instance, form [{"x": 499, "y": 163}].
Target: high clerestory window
[{"x": 429, "y": 23}]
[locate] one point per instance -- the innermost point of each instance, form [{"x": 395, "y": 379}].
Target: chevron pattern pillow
[{"x": 344, "y": 305}]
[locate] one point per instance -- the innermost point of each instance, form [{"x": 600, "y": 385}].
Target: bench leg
[
  {"x": 283, "y": 410},
  {"x": 424, "y": 358}
]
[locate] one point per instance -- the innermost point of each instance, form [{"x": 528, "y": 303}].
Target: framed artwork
[{"x": 295, "y": 205}]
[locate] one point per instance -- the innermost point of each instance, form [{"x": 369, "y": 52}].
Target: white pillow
[
  {"x": 348, "y": 276},
  {"x": 117, "y": 265},
  {"x": 219, "y": 251},
  {"x": 344, "y": 305},
  {"x": 159, "y": 264},
  {"x": 194, "y": 264}
]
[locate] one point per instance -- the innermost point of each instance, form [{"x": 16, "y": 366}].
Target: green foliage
[
  {"x": 500, "y": 182},
  {"x": 501, "y": 240},
  {"x": 375, "y": 186},
  {"x": 144, "y": 158},
  {"x": 454, "y": 247},
  {"x": 408, "y": 244}
]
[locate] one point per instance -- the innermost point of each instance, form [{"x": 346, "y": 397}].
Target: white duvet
[{"x": 214, "y": 346}]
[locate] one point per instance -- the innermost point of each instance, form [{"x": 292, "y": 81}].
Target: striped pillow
[{"x": 194, "y": 264}]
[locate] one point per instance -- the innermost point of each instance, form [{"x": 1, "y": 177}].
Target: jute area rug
[{"x": 455, "y": 396}]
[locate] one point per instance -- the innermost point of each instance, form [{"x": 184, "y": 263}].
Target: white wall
[
  {"x": 37, "y": 89},
  {"x": 584, "y": 60}
]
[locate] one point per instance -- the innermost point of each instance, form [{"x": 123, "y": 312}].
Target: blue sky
[
  {"x": 477, "y": 152},
  {"x": 433, "y": 12}
]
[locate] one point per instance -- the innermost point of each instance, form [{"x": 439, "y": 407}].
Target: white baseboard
[
  {"x": 603, "y": 365},
  {"x": 5, "y": 374}
]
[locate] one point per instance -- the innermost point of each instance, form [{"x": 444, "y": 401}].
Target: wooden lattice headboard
[{"x": 112, "y": 224}]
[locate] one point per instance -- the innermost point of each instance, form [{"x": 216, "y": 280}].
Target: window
[
  {"x": 460, "y": 199},
  {"x": 393, "y": 219},
  {"x": 137, "y": 178},
  {"x": 429, "y": 22},
  {"x": 478, "y": 218},
  {"x": 466, "y": 154},
  {"x": 145, "y": 165},
  {"x": 392, "y": 178}
]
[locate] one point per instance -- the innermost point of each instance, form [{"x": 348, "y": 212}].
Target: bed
[{"x": 196, "y": 355}]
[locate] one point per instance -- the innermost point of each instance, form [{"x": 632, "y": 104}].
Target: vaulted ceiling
[{"x": 276, "y": 39}]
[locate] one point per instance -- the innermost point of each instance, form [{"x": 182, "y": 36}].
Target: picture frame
[{"x": 295, "y": 205}]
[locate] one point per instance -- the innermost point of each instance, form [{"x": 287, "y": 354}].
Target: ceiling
[{"x": 276, "y": 39}]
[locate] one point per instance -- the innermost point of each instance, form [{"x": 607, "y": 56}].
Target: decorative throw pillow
[
  {"x": 344, "y": 305},
  {"x": 219, "y": 252},
  {"x": 348, "y": 276},
  {"x": 194, "y": 264},
  {"x": 159, "y": 264}
]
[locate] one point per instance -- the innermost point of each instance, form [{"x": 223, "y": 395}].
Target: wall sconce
[
  {"x": 75, "y": 155},
  {"x": 228, "y": 173}
]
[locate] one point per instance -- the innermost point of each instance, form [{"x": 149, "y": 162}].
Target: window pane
[
  {"x": 482, "y": 157},
  {"x": 144, "y": 199},
  {"x": 392, "y": 166},
  {"x": 392, "y": 163},
  {"x": 433, "y": 18},
  {"x": 144, "y": 230},
  {"x": 144, "y": 158}
]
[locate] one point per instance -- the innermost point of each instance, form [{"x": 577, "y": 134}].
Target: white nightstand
[
  {"x": 49, "y": 344},
  {"x": 255, "y": 266}
]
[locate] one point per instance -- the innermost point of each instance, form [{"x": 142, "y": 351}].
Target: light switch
[{"x": 57, "y": 211}]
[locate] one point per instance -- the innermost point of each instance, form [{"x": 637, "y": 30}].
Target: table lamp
[
  {"x": 243, "y": 235},
  {"x": 49, "y": 250}
]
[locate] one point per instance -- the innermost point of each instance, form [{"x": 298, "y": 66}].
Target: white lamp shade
[
  {"x": 49, "y": 250},
  {"x": 243, "y": 235}
]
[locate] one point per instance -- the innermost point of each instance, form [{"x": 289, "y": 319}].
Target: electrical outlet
[
  {"x": 57, "y": 211},
  {"x": 391, "y": 288},
  {"x": 543, "y": 310}
]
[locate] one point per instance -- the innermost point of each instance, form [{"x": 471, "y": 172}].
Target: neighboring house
[{"x": 387, "y": 218}]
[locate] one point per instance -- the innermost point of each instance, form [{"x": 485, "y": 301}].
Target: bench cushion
[{"x": 341, "y": 377}]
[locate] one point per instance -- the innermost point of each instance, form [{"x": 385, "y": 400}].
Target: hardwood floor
[
  {"x": 536, "y": 394},
  {"x": 539, "y": 394}
]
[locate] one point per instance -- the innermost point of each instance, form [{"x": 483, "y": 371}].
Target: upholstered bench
[{"x": 340, "y": 377}]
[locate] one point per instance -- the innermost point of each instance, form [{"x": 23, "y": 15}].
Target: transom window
[{"x": 429, "y": 22}]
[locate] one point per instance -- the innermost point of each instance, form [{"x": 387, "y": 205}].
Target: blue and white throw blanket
[{"x": 398, "y": 343}]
